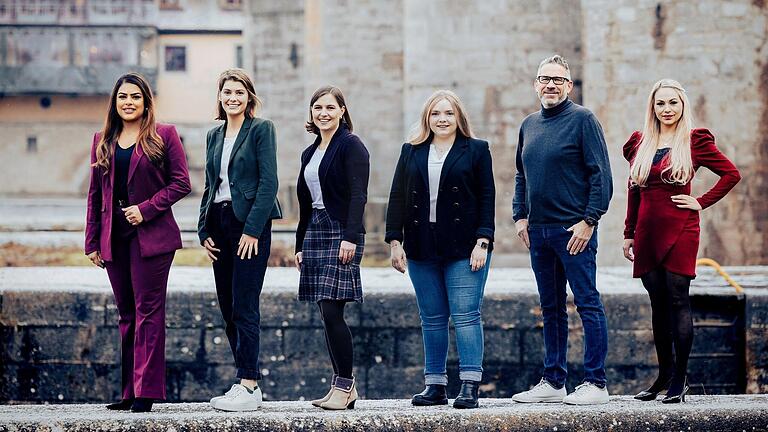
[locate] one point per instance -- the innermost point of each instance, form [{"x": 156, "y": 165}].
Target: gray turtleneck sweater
[{"x": 563, "y": 171}]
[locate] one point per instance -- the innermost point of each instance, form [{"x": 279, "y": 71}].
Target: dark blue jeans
[
  {"x": 553, "y": 266},
  {"x": 238, "y": 286}
]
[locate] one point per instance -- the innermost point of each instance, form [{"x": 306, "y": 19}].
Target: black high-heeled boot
[
  {"x": 657, "y": 387},
  {"x": 123, "y": 405},
  {"x": 676, "y": 392},
  {"x": 433, "y": 394},
  {"x": 142, "y": 405},
  {"x": 467, "y": 397}
]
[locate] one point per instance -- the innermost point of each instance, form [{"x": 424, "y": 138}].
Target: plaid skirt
[{"x": 323, "y": 276}]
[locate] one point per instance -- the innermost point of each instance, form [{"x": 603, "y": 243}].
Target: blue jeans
[
  {"x": 450, "y": 289},
  {"x": 553, "y": 265}
]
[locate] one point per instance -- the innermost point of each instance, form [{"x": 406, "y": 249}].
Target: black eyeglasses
[{"x": 546, "y": 79}]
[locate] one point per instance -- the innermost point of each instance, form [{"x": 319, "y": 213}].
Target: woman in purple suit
[{"x": 138, "y": 171}]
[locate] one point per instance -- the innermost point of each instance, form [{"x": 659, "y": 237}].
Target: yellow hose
[{"x": 712, "y": 263}]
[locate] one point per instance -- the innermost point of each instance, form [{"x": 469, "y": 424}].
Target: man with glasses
[{"x": 562, "y": 187}]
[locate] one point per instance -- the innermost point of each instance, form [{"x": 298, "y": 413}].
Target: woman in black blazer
[
  {"x": 235, "y": 226},
  {"x": 441, "y": 214},
  {"x": 332, "y": 191}
]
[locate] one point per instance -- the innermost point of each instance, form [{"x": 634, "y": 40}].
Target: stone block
[
  {"x": 757, "y": 348},
  {"x": 185, "y": 345},
  {"x": 301, "y": 379},
  {"x": 377, "y": 310},
  {"x": 375, "y": 346},
  {"x": 533, "y": 347},
  {"x": 57, "y": 383},
  {"x": 53, "y": 308},
  {"x": 714, "y": 371},
  {"x": 410, "y": 348},
  {"x": 716, "y": 340},
  {"x": 757, "y": 311},
  {"x": 63, "y": 344},
  {"x": 283, "y": 310},
  {"x": 393, "y": 383},
  {"x": 216, "y": 346},
  {"x": 508, "y": 312},
  {"x": 630, "y": 347},
  {"x": 305, "y": 344},
  {"x": 627, "y": 311},
  {"x": 197, "y": 382},
  {"x": 502, "y": 346},
  {"x": 192, "y": 310}
]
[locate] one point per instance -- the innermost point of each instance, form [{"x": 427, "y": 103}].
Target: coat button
[
  {"x": 416, "y": 223},
  {"x": 231, "y": 183},
  {"x": 414, "y": 192},
  {"x": 456, "y": 221},
  {"x": 455, "y": 189},
  {"x": 415, "y": 206},
  {"x": 456, "y": 205}
]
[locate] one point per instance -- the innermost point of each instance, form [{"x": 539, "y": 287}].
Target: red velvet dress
[{"x": 664, "y": 234}]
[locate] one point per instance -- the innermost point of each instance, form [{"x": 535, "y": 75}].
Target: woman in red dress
[{"x": 662, "y": 225}]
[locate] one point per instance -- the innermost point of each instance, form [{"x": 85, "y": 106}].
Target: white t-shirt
[
  {"x": 312, "y": 177},
  {"x": 223, "y": 193},
  {"x": 434, "y": 167}
]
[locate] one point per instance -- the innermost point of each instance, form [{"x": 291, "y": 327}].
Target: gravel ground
[{"x": 699, "y": 413}]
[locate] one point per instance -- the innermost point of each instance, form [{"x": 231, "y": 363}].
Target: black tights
[
  {"x": 672, "y": 325},
  {"x": 337, "y": 336}
]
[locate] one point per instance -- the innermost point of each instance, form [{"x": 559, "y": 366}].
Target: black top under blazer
[
  {"x": 343, "y": 174},
  {"x": 252, "y": 176},
  {"x": 465, "y": 200}
]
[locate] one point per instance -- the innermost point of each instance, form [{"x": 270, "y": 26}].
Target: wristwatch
[
  {"x": 483, "y": 245},
  {"x": 590, "y": 221}
]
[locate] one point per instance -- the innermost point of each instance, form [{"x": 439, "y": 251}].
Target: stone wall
[
  {"x": 718, "y": 51},
  {"x": 61, "y": 343}
]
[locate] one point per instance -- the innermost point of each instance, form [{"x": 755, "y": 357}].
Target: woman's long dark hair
[{"x": 148, "y": 139}]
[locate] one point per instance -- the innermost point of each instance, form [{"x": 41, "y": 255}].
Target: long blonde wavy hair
[
  {"x": 679, "y": 166},
  {"x": 421, "y": 132}
]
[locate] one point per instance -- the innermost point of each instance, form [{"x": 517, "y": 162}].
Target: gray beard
[{"x": 552, "y": 104}]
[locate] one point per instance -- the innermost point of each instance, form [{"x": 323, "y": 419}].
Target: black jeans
[{"x": 238, "y": 286}]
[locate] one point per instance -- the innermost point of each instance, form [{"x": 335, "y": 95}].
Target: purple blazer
[{"x": 154, "y": 189}]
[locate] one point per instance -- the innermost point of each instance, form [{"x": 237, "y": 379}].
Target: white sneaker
[
  {"x": 216, "y": 399},
  {"x": 238, "y": 398},
  {"x": 541, "y": 392},
  {"x": 587, "y": 394}
]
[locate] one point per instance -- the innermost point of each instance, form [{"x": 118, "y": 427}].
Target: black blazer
[
  {"x": 343, "y": 174},
  {"x": 465, "y": 200},
  {"x": 252, "y": 175}
]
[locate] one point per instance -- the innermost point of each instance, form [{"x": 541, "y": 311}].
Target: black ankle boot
[
  {"x": 434, "y": 394},
  {"x": 467, "y": 397},
  {"x": 142, "y": 405},
  {"x": 677, "y": 391},
  {"x": 123, "y": 405},
  {"x": 657, "y": 387}
]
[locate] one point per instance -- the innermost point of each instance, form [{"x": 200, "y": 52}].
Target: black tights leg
[
  {"x": 655, "y": 283},
  {"x": 682, "y": 326},
  {"x": 337, "y": 336}
]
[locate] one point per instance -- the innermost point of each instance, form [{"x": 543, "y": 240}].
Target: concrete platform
[{"x": 699, "y": 413}]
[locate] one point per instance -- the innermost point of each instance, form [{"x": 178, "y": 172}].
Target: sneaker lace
[
  {"x": 236, "y": 391},
  {"x": 541, "y": 383},
  {"x": 232, "y": 391}
]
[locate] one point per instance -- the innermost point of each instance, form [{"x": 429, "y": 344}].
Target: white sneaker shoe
[
  {"x": 229, "y": 393},
  {"x": 239, "y": 398},
  {"x": 587, "y": 394},
  {"x": 541, "y": 392}
]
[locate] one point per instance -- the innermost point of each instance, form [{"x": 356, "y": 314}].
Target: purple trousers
[{"x": 140, "y": 285}]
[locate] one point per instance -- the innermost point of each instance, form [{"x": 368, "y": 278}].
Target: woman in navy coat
[
  {"x": 332, "y": 190},
  {"x": 441, "y": 216}
]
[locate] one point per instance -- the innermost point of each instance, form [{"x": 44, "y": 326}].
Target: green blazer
[{"x": 252, "y": 175}]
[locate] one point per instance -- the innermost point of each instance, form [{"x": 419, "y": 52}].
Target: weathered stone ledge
[{"x": 699, "y": 413}]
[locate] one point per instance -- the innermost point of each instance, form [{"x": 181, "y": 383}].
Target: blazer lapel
[
  {"x": 421, "y": 159},
  {"x": 218, "y": 148},
  {"x": 330, "y": 152},
  {"x": 458, "y": 149},
  {"x": 240, "y": 138},
  {"x": 136, "y": 156}
]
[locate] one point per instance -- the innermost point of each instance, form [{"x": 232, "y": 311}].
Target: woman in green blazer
[{"x": 235, "y": 225}]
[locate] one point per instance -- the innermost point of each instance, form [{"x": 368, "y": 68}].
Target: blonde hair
[
  {"x": 241, "y": 76},
  {"x": 421, "y": 132},
  {"x": 679, "y": 165}
]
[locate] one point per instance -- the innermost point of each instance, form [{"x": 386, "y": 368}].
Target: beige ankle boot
[
  {"x": 317, "y": 402},
  {"x": 343, "y": 395}
]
